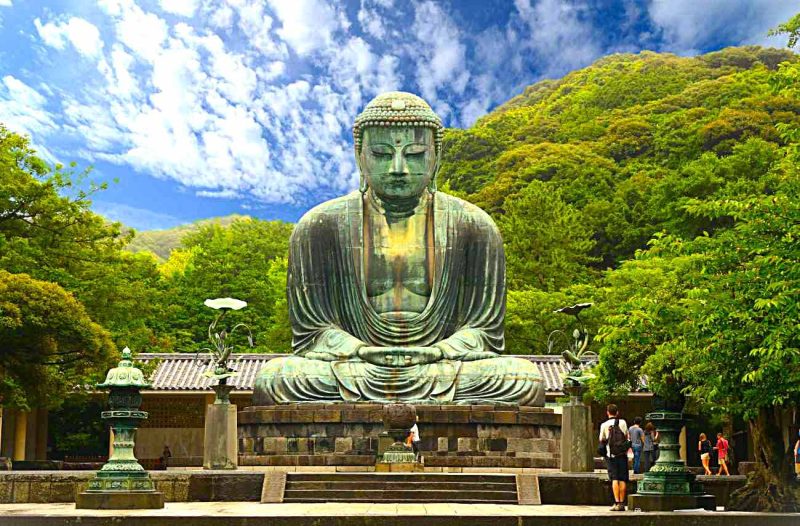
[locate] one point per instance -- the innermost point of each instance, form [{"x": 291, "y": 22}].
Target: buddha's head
[{"x": 398, "y": 141}]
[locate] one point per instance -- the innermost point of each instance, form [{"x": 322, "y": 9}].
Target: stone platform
[
  {"x": 502, "y": 436},
  {"x": 380, "y": 514}
]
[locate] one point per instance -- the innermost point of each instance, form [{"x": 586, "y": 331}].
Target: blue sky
[{"x": 202, "y": 108}]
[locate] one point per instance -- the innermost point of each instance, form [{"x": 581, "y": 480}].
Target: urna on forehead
[{"x": 397, "y": 109}]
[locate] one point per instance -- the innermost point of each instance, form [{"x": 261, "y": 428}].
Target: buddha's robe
[{"x": 332, "y": 317}]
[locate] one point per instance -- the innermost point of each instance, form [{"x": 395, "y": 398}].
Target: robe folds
[{"x": 332, "y": 317}]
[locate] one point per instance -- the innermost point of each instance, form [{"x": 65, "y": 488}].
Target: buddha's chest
[{"x": 398, "y": 264}]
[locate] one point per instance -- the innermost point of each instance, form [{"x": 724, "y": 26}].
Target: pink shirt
[{"x": 722, "y": 446}]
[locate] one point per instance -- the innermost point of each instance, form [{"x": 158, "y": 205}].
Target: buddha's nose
[{"x": 399, "y": 166}]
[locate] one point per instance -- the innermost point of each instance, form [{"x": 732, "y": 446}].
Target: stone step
[
  {"x": 401, "y": 485},
  {"x": 410, "y": 477},
  {"x": 377, "y": 499},
  {"x": 400, "y": 495}
]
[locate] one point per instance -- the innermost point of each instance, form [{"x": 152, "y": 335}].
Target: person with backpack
[{"x": 614, "y": 445}]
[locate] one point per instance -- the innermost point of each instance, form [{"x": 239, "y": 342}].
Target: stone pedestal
[
  {"x": 576, "y": 439},
  {"x": 129, "y": 500},
  {"x": 220, "y": 442},
  {"x": 462, "y": 436}
]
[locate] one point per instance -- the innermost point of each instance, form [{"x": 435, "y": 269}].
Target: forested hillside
[
  {"x": 163, "y": 242},
  {"x": 582, "y": 172}
]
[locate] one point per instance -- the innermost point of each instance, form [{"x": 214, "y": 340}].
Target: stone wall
[
  {"x": 589, "y": 489},
  {"x": 348, "y": 435}
]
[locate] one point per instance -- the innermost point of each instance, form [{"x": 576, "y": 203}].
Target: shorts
[
  {"x": 705, "y": 456},
  {"x": 722, "y": 456},
  {"x": 618, "y": 468}
]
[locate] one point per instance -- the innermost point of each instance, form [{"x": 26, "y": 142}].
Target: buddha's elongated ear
[
  {"x": 362, "y": 181},
  {"x": 436, "y": 168},
  {"x": 432, "y": 183}
]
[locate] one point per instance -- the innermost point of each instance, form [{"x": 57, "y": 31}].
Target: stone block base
[
  {"x": 399, "y": 467},
  {"x": 350, "y": 434},
  {"x": 129, "y": 500},
  {"x": 638, "y": 502}
]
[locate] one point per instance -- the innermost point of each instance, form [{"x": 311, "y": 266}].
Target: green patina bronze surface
[
  {"x": 123, "y": 472},
  {"x": 397, "y": 292}
]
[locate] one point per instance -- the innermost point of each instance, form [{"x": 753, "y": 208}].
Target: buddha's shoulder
[
  {"x": 331, "y": 212},
  {"x": 466, "y": 212}
]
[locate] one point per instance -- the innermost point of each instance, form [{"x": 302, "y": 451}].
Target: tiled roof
[{"x": 181, "y": 372}]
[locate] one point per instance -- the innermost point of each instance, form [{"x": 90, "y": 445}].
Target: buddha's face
[{"x": 398, "y": 162}]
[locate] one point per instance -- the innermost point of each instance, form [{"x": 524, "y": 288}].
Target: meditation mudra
[{"x": 396, "y": 292}]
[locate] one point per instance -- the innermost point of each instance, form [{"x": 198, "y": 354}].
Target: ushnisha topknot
[{"x": 398, "y": 108}]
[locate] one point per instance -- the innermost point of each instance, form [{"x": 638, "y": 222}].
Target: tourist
[
  {"x": 636, "y": 434},
  {"x": 414, "y": 431},
  {"x": 704, "y": 447},
  {"x": 614, "y": 445},
  {"x": 165, "y": 456},
  {"x": 649, "y": 447},
  {"x": 797, "y": 455},
  {"x": 722, "y": 454}
]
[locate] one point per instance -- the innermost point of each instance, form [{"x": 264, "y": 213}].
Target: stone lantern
[
  {"x": 669, "y": 485},
  {"x": 394, "y": 454},
  {"x": 122, "y": 483}
]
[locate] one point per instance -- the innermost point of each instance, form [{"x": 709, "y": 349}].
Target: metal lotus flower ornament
[
  {"x": 576, "y": 353},
  {"x": 220, "y": 349}
]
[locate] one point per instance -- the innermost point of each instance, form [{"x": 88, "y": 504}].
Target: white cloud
[
  {"x": 560, "y": 36},
  {"x": 688, "y": 25},
  {"x": 138, "y": 218},
  {"x": 222, "y": 17},
  {"x": 5, "y": 3},
  {"x": 221, "y": 194},
  {"x": 307, "y": 25},
  {"x": 440, "y": 54},
  {"x": 142, "y": 32},
  {"x": 179, "y": 7},
  {"x": 84, "y": 36},
  {"x": 371, "y": 18},
  {"x": 23, "y": 110}
]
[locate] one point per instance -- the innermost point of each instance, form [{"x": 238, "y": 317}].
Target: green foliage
[
  {"x": 626, "y": 145},
  {"x": 161, "y": 243},
  {"x": 245, "y": 260},
  {"x": 790, "y": 28},
  {"x": 546, "y": 241},
  {"x": 48, "y": 343}
]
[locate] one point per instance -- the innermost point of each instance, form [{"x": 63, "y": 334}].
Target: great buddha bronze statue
[{"x": 396, "y": 291}]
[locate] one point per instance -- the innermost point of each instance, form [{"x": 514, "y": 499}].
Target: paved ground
[
  {"x": 200, "y": 509},
  {"x": 253, "y": 509},
  {"x": 368, "y": 514}
]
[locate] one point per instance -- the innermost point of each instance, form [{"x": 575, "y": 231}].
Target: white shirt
[
  {"x": 414, "y": 433},
  {"x": 604, "y": 431}
]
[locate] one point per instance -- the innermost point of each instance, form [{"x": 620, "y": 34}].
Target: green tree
[
  {"x": 715, "y": 318},
  {"x": 547, "y": 243},
  {"x": 790, "y": 28},
  {"x": 48, "y": 343},
  {"x": 47, "y": 230},
  {"x": 221, "y": 261}
]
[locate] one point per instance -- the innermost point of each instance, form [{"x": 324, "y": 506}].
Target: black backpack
[{"x": 618, "y": 443}]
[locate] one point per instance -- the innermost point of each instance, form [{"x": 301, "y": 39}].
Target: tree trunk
[{"x": 772, "y": 485}]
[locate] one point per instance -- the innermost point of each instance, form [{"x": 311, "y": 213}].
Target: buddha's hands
[
  {"x": 399, "y": 356},
  {"x": 466, "y": 355}
]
